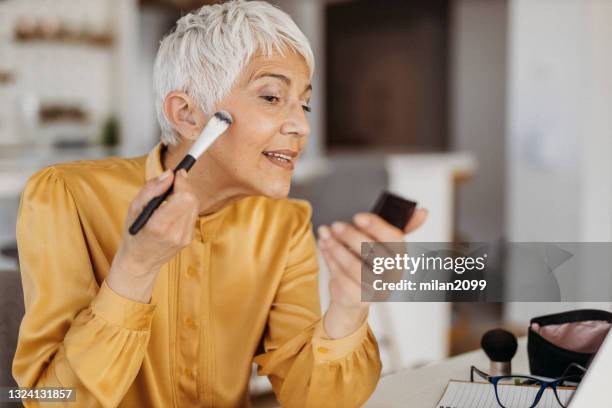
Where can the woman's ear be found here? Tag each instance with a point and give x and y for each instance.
(184, 115)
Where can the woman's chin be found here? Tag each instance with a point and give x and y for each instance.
(276, 190)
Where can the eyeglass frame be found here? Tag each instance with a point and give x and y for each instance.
(544, 384)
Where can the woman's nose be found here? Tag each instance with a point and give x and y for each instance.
(296, 122)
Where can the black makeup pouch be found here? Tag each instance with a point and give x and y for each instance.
(555, 341)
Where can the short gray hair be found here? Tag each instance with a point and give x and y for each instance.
(206, 51)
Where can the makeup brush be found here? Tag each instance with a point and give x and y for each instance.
(213, 129)
(500, 346)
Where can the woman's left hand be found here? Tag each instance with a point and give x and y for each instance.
(341, 248)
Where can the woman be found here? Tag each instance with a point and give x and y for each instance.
(225, 271)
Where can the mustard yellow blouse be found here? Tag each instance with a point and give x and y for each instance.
(245, 289)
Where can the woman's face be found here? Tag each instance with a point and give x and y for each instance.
(269, 104)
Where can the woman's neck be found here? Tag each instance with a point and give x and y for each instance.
(211, 184)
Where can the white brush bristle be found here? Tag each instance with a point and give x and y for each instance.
(215, 127)
(224, 116)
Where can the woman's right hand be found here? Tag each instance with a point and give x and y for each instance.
(170, 228)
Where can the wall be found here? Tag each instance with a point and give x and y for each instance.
(559, 177)
(478, 111)
(150, 24)
(310, 18)
(74, 73)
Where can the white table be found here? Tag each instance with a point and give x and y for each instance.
(423, 387)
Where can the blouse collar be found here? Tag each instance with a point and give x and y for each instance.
(206, 225)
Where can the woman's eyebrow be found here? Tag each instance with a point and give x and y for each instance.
(282, 78)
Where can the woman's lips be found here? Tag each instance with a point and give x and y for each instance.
(281, 158)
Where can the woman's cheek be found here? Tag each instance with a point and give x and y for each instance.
(244, 153)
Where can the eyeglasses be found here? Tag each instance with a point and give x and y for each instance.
(563, 388)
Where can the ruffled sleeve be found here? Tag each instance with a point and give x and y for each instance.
(305, 367)
(75, 333)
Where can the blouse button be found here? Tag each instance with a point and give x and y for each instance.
(189, 322)
(191, 271)
(322, 350)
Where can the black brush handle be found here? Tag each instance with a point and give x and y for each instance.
(156, 201)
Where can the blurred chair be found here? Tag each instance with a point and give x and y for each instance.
(11, 313)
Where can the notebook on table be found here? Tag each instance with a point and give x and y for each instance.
(465, 394)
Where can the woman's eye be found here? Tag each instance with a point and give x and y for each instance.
(271, 99)
(276, 99)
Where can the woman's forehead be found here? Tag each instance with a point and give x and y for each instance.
(291, 65)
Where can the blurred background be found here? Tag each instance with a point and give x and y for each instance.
(493, 114)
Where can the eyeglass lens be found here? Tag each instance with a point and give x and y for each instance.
(509, 395)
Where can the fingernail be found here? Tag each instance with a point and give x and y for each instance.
(362, 220)
(338, 227)
(184, 173)
(164, 175)
(324, 232)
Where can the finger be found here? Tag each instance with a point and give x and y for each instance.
(180, 205)
(324, 237)
(336, 272)
(189, 226)
(173, 224)
(344, 290)
(181, 182)
(418, 218)
(183, 196)
(378, 228)
(334, 268)
(153, 188)
(353, 239)
(342, 282)
(349, 236)
(183, 224)
(348, 262)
